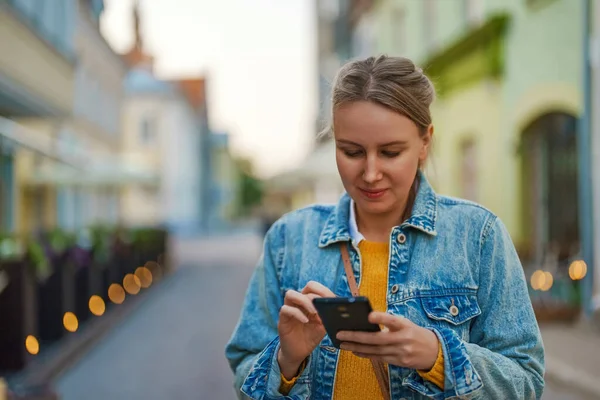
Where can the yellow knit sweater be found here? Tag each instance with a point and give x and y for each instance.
(355, 378)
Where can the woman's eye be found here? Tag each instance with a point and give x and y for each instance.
(352, 153)
(391, 154)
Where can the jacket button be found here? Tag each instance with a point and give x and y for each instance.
(401, 238)
(453, 310)
(395, 288)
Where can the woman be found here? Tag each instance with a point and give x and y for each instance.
(441, 273)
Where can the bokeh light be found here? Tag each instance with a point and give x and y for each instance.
(70, 322)
(132, 284)
(145, 276)
(537, 279)
(577, 270)
(32, 345)
(97, 306)
(155, 269)
(547, 283)
(116, 294)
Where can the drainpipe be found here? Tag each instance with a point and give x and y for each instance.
(586, 228)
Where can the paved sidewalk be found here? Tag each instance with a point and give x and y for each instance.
(573, 356)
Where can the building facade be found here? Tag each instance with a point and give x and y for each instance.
(37, 68)
(509, 95)
(225, 184)
(595, 120)
(94, 129)
(165, 125)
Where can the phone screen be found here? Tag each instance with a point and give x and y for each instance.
(344, 314)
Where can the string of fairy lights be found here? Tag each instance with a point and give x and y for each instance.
(132, 284)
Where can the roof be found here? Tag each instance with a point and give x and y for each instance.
(194, 90)
(140, 80)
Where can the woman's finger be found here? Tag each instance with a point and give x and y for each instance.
(392, 322)
(292, 312)
(371, 338)
(317, 288)
(305, 302)
(366, 349)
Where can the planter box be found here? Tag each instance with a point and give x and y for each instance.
(561, 313)
(17, 313)
(56, 295)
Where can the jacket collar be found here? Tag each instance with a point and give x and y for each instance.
(423, 216)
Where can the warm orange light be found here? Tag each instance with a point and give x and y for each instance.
(577, 270)
(116, 294)
(537, 279)
(155, 269)
(70, 322)
(548, 281)
(132, 284)
(145, 276)
(32, 345)
(97, 306)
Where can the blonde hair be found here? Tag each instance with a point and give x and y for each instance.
(393, 82)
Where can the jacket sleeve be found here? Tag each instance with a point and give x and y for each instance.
(253, 347)
(504, 358)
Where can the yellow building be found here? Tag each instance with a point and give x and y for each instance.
(509, 97)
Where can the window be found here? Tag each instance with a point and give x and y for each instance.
(468, 170)
(147, 130)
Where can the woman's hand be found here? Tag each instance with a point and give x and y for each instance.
(401, 342)
(300, 328)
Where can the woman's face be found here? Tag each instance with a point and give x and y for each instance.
(378, 152)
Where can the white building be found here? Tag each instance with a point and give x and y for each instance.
(162, 134)
(165, 133)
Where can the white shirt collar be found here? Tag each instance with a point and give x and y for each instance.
(355, 235)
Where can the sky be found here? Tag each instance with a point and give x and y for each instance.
(259, 58)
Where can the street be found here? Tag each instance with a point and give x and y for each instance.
(172, 347)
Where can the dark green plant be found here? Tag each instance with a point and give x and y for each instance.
(61, 240)
(102, 237)
(38, 260)
(11, 247)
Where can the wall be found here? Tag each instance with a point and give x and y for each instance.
(37, 72)
(181, 174)
(542, 72)
(141, 205)
(596, 143)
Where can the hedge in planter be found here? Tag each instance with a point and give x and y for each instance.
(17, 305)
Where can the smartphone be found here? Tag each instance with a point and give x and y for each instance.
(344, 314)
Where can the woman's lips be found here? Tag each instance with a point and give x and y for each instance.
(373, 194)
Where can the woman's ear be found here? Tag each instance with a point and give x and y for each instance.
(426, 139)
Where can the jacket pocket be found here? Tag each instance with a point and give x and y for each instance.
(454, 308)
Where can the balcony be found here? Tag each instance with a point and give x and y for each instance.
(36, 68)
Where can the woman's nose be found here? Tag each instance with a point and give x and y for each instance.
(372, 172)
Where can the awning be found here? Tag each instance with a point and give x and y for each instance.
(27, 138)
(115, 174)
(74, 170)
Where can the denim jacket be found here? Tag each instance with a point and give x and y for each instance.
(452, 269)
